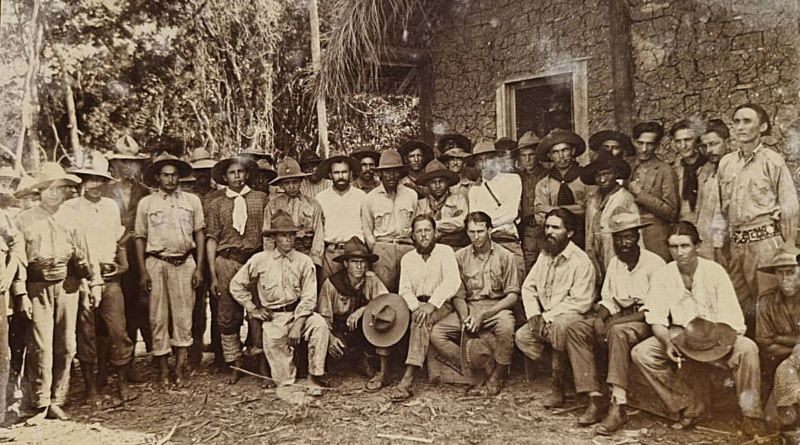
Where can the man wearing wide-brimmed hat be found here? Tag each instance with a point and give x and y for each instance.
(455, 160)
(681, 293)
(202, 163)
(169, 224)
(448, 209)
(100, 220)
(605, 172)
(615, 142)
(416, 155)
(314, 183)
(368, 179)
(619, 323)
(260, 179)
(233, 235)
(52, 242)
(341, 210)
(563, 186)
(386, 219)
(530, 172)
(287, 289)
(304, 210)
(342, 300)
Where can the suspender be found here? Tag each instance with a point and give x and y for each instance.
(492, 193)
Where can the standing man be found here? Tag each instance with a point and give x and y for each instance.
(368, 179)
(13, 261)
(562, 187)
(557, 292)
(455, 160)
(233, 236)
(614, 142)
(429, 278)
(619, 324)
(260, 179)
(489, 290)
(386, 219)
(202, 163)
(314, 183)
(655, 187)
(446, 208)
(169, 224)
(341, 210)
(530, 172)
(416, 156)
(685, 140)
(287, 289)
(759, 201)
(711, 223)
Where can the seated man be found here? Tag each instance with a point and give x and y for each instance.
(489, 291)
(342, 301)
(287, 288)
(558, 291)
(619, 324)
(428, 280)
(684, 291)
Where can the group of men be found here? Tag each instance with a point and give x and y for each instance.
(473, 250)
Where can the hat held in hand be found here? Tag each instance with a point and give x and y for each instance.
(385, 320)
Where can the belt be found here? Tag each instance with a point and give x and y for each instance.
(394, 241)
(46, 274)
(237, 255)
(334, 246)
(287, 308)
(505, 239)
(174, 260)
(757, 234)
(632, 309)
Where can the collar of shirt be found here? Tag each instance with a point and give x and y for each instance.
(164, 195)
(276, 254)
(566, 253)
(482, 256)
(752, 155)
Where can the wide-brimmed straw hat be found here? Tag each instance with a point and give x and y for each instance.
(152, 170)
(53, 172)
(705, 341)
(475, 352)
(325, 167)
(252, 153)
(308, 157)
(597, 139)
(127, 148)
(94, 164)
(390, 159)
(785, 256)
(556, 137)
(219, 170)
(528, 140)
(485, 146)
(459, 140)
(604, 161)
(355, 248)
(436, 169)
(201, 159)
(366, 152)
(409, 146)
(281, 222)
(288, 168)
(25, 188)
(455, 152)
(621, 220)
(385, 320)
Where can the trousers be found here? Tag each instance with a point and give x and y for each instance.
(651, 358)
(532, 344)
(743, 269)
(446, 334)
(171, 304)
(5, 357)
(112, 311)
(420, 338)
(137, 318)
(280, 355)
(387, 268)
(532, 241)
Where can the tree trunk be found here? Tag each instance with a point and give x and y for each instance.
(322, 116)
(74, 141)
(30, 100)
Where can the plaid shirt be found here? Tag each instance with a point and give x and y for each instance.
(219, 221)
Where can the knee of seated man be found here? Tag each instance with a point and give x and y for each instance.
(745, 346)
(505, 321)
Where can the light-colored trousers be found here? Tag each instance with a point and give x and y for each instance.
(171, 300)
(280, 355)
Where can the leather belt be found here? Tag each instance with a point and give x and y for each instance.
(287, 308)
(632, 309)
(174, 260)
(46, 274)
(237, 255)
(394, 241)
(334, 246)
(757, 234)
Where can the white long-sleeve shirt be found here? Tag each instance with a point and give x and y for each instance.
(507, 188)
(438, 277)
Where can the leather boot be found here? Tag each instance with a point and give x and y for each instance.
(594, 412)
(614, 420)
(556, 397)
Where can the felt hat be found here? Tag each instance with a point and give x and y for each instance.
(459, 140)
(251, 153)
(409, 146)
(221, 168)
(621, 220)
(365, 152)
(53, 172)
(288, 168)
(455, 152)
(385, 320)
(9, 180)
(556, 137)
(505, 145)
(201, 159)
(95, 164)
(325, 167)
(785, 256)
(705, 341)
(604, 161)
(309, 157)
(355, 248)
(485, 146)
(187, 179)
(597, 139)
(25, 188)
(281, 222)
(528, 140)
(127, 148)
(265, 169)
(436, 169)
(152, 170)
(475, 352)
(390, 159)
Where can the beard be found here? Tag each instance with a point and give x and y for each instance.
(553, 245)
(425, 249)
(341, 184)
(630, 256)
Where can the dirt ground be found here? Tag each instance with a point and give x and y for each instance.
(210, 411)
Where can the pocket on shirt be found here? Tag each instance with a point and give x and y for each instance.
(156, 218)
(383, 222)
(761, 192)
(406, 215)
(497, 279)
(268, 284)
(186, 216)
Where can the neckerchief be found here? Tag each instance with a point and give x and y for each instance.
(342, 283)
(436, 206)
(690, 186)
(239, 208)
(565, 195)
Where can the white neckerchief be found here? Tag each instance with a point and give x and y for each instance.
(239, 208)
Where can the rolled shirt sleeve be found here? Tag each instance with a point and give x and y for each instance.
(530, 292)
(405, 288)
(451, 281)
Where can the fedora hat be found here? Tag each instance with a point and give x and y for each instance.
(201, 159)
(409, 146)
(152, 170)
(505, 145)
(785, 256)
(250, 152)
(355, 248)
(53, 172)
(220, 169)
(597, 139)
(459, 140)
(325, 167)
(485, 146)
(365, 152)
(604, 161)
(25, 188)
(621, 220)
(705, 341)
(436, 169)
(455, 152)
(281, 222)
(127, 148)
(475, 352)
(390, 159)
(385, 320)
(556, 137)
(95, 164)
(308, 157)
(288, 168)
(528, 140)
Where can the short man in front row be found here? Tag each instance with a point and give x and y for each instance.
(490, 288)
(558, 291)
(287, 289)
(429, 278)
(619, 323)
(693, 298)
(446, 208)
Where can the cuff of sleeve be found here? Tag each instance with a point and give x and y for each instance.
(250, 306)
(18, 288)
(547, 317)
(412, 304)
(438, 302)
(302, 313)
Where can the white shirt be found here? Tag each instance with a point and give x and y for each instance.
(507, 188)
(622, 287)
(341, 214)
(100, 221)
(438, 277)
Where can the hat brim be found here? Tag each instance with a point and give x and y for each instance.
(184, 169)
(282, 230)
(221, 167)
(398, 328)
(123, 157)
(370, 257)
(770, 268)
(87, 172)
(460, 141)
(612, 135)
(451, 177)
(204, 164)
(457, 155)
(278, 178)
(635, 226)
(325, 168)
(515, 152)
(726, 339)
(67, 179)
(257, 156)
(389, 167)
(587, 173)
(560, 137)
